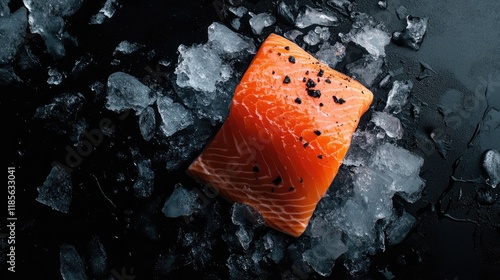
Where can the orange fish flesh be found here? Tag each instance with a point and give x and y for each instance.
(290, 125)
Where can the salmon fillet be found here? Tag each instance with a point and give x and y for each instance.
(290, 124)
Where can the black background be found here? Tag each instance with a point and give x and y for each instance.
(456, 238)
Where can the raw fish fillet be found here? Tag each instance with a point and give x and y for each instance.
(290, 124)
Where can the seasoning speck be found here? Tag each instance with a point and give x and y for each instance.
(314, 93)
(317, 132)
(321, 104)
(297, 100)
(286, 80)
(328, 81)
(321, 72)
(306, 144)
(292, 188)
(291, 59)
(277, 181)
(310, 83)
(307, 72)
(304, 79)
(320, 156)
(338, 100)
(287, 48)
(255, 168)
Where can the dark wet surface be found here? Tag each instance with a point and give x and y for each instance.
(458, 231)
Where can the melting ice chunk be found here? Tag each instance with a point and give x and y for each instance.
(398, 229)
(398, 96)
(198, 68)
(285, 12)
(323, 253)
(390, 124)
(72, 265)
(126, 92)
(12, 29)
(182, 202)
(126, 47)
(366, 69)
(98, 259)
(413, 35)
(228, 42)
(174, 116)
(55, 77)
(56, 191)
(147, 123)
(404, 167)
(368, 35)
(143, 185)
(343, 6)
(46, 19)
(310, 16)
(261, 21)
(238, 11)
(491, 164)
(331, 55)
(107, 11)
(61, 114)
(4, 8)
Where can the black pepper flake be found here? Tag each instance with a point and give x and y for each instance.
(307, 72)
(272, 189)
(321, 104)
(321, 72)
(338, 100)
(255, 168)
(301, 180)
(277, 181)
(320, 156)
(297, 100)
(328, 81)
(310, 83)
(291, 59)
(306, 144)
(292, 188)
(300, 138)
(317, 132)
(279, 54)
(273, 72)
(304, 79)
(286, 80)
(287, 48)
(314, 93)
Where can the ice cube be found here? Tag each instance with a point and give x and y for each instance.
(331, 55)
(413, 35)
(198, 67)
(56, 191)
(98, 258)
(369, 35)
(322, 255)
(311, 38)
(372, 188)
(12, 29)
(244, 215)
(314, 16)
(47, 19)
(491, 165)
(245, 236)
(55, 77)
(126, 47)
(390, 124)
(182, 202)
(72, 266)
(275, 245)
(8, 76)
(285, 12)
(382, 5)
(238, 11)
(64, 107)
(174, 116)
(107, 11)
(147, 123)
(126, 92)
(228, 42)
(343, 6)
(398, 229)
(366, 69)
(261, 21)
(144, 183)
(398, 96)
(292, 34)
